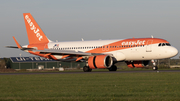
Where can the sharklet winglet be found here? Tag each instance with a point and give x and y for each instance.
(19, 46)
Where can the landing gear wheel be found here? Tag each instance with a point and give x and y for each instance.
(113, 68)
(155, 68)
(90, 70)
(86, 69)
(154, 65)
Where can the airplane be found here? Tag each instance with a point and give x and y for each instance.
(98, 54)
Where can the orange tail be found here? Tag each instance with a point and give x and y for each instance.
(34, 32)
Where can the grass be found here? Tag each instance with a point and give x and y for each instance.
(91, 86)
(81, 70)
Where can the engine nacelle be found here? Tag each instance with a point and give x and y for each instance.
(100, 61)
(137, 64)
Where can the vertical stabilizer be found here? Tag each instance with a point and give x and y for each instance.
(34, 32)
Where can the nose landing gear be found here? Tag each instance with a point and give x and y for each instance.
(154, 65)
(155, 68)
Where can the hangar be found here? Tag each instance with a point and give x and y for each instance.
(40, 63)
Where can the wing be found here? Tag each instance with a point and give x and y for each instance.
(66, 52)
(19, 46)
(48, 52)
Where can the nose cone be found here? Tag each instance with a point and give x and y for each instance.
(173, 51)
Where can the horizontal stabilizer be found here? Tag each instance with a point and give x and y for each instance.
(22, 48)
(11, 47)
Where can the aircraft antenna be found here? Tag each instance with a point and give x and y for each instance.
(82, 39)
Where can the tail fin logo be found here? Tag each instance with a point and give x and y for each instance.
(33, 27)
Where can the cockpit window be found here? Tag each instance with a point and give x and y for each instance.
(168, 44)
(164, 44)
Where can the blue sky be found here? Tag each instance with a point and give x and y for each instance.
(71, 20)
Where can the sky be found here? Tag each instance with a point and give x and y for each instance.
(71, 20)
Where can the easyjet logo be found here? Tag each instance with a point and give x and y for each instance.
(138, 42)
(33, 28)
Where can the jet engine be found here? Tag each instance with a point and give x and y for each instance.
(137, 64)
(100, 61)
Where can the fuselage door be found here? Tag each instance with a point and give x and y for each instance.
(149, 46)
(46, 46)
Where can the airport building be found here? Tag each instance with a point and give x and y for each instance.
(40, 63)
(44, 63)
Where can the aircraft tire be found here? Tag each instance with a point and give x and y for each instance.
(113, 68)
(155, 68)
(86, 69)
(90, 70)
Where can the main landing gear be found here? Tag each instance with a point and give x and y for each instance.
(154, 65)
(113, 68)
(87, 69)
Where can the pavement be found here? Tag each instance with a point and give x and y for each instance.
(93, 72)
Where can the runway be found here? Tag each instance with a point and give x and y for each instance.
(93, 72)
